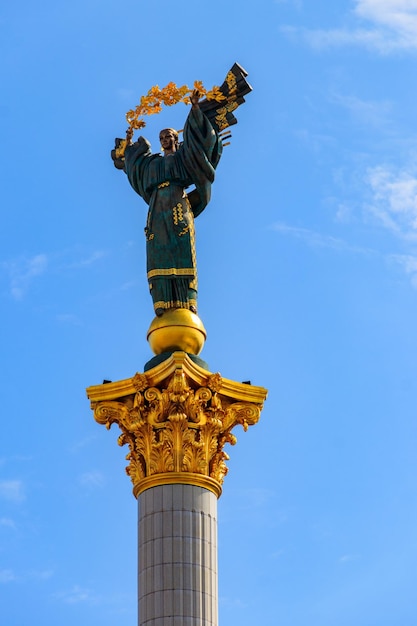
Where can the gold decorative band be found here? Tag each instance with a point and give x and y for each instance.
(165, 184)
(172, 271)
(178, 478)
(174, 304)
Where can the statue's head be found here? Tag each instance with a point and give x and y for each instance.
(169, 140)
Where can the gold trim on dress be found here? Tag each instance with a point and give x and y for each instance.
(177, 213)
(172, 271)
(193, 254)
(175, 304)
(171, 304)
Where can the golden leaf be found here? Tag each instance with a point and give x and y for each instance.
(215, 94)
(199, 86)
(152, 102)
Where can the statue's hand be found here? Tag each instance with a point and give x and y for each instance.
(195, 97)
(118, 159)
(129, 135)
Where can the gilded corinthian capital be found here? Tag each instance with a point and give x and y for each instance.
(176, 419)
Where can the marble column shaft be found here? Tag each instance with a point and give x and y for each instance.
(178, 556)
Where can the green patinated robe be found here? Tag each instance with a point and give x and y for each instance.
(161, 182)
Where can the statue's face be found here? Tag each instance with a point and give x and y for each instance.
(168, 140)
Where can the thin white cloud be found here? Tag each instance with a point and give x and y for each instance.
(254, 498)
(128, 285)
(236, 603)
(95, 256)
(382, 25)
(125, 94)
(6, 522)
(408, 263)
(346, 558)
(82, 443)
(7, 576)
(397, 15)
(319, 240)
(277, 554)
(23, 271)
(322, 39)
(12, 490)
(77, 595)
(369, 112)
(296, 3)
(39, 575)
(393, 199)
(92, 479)
(69, 318)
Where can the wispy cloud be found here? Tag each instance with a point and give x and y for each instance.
(236, 603)
(77, 595)
(393, 199)
(6, 522)
(346, 558)
(128, 285)
(125, 94)
(320, 240)
(39, 575)
(382, 25)
(23, 271)
(277, 554)
(369, 112)
(12, 490)
(95, 256)
(408, 263)
(69, 318)
(92, 479)
(296, 3)
(253, 498)
(82, 443)
(7, 576)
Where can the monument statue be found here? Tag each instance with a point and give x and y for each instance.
(163, 180)
(177, 417)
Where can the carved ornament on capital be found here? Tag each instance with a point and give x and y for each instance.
(176, 421)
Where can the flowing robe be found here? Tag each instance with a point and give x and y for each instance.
(161, 182)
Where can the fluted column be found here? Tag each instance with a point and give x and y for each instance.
(176, 419)
(178, 556)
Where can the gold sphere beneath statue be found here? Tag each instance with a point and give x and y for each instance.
(177, 329)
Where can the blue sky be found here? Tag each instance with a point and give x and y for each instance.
(307, 258)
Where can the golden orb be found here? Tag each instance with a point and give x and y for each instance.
(177, 329)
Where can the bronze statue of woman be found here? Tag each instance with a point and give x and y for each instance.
(162, 180)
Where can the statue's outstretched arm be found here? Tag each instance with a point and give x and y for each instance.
(195, 98)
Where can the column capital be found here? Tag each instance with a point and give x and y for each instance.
(176, 419)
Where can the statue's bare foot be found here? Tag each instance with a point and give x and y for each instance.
(159, 312)
(193, 309)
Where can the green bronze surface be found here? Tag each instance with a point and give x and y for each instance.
(162, 180)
